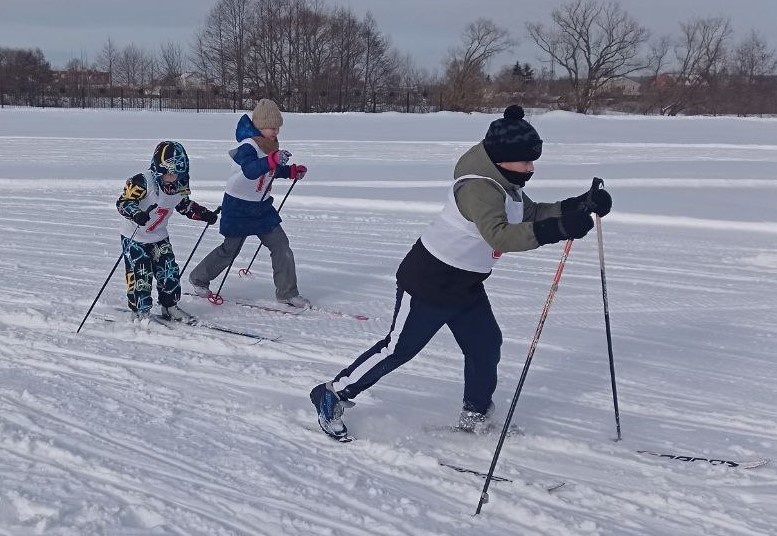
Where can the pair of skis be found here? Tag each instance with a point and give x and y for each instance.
(554, 485)
(718, 462)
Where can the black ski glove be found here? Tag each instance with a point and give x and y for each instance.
(600, 202)
(552, 230)
(141, 218)
(210, 217)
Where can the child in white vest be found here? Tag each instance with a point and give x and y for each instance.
(247, 208)
(146, 204)
(440, 281)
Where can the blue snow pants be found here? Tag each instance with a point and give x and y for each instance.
(474, 328)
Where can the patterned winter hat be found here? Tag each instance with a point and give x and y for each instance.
(171, 157)
(512, 138)
(266, 115)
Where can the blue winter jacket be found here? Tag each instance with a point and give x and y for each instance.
(238, 216)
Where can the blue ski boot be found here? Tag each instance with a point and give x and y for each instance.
(330, 411)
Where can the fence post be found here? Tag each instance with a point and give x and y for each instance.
(198, 100)
(121, 97)
(160, 100)
(407, 103)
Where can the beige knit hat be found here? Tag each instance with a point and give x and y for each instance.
(267, 115)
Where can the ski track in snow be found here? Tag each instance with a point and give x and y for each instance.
(124, 430)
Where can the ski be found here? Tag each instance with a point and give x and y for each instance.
(222, 329)
(158, 319)
(332, 312)
(132, 320)
(293, 311)
(752, 464)
(196, 323)
(296, 311)
(494, 478)
(340, 439)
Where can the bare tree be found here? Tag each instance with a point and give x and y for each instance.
(754, 59)
(701, 56)
(348, 53)
(106, 59)
(752, 64)
(655, 92)
(465, 73)
(266, 62)
(658, 56)
(313, 55)
(134, 67)
(221, 45)
(171, 65)
(23, 70)
(77, 75)
(380, 66)
(594, 42)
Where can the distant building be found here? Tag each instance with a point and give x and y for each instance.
(622, 85)
(192, 81)
(664, 80)
(86, 77)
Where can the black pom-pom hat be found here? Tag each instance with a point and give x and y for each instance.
(512, 139)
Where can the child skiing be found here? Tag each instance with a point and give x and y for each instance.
(440, 281)
(146, 205)
(247, 209)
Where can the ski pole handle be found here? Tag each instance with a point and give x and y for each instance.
(596, 184)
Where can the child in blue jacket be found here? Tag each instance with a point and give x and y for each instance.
(247, 208)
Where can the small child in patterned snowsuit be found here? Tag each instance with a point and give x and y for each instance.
(146, 204)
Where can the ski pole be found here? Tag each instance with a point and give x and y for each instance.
(180, 274)
(152, 207)
(215, 298)
(607, 320)
(553, 288)
(532, 348)
(246, 271)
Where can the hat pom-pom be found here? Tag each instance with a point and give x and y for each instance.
(514, 112)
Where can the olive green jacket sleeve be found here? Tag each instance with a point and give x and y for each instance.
(482, 201)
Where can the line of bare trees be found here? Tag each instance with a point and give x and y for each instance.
(298, 52)
(310, 57)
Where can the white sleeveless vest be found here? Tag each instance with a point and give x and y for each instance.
(241, 187)
(156, 228)
(456, 241)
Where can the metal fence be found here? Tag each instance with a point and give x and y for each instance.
(201, 100)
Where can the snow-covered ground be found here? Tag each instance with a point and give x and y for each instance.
(122, 431)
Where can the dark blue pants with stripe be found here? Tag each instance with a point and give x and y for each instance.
(416, 322)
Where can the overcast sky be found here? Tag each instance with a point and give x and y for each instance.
(425, 29)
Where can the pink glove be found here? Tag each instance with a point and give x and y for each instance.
(297, 172)
(278, 158)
